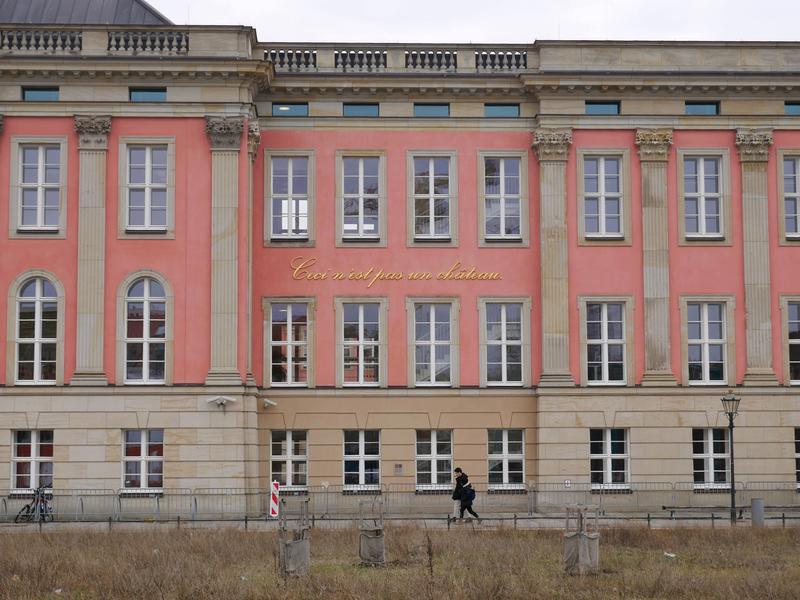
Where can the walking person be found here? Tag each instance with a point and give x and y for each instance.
(464, 493)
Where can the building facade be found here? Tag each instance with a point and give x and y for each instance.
(226, 261)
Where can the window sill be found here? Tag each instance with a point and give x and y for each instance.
(26, 494)
(606, 383)
(369, 386)
(506, 240)
(294, 490)
(425, 385)
(289, 386)
(361, 491)
(704, 238)
(611, 490)
(141, 493)
(145, 383)
(35, 383)
(433, 490)
(602, 238)
(500, 384)
(289, 240)
(360, 240)
(721, 383)
(726, 489)
(153, 231)
(511, 489)
(37, 231)
(433, 240)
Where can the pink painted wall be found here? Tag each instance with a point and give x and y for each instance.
(184, 261)
(605, 270)
(272, 275)
(59, 256)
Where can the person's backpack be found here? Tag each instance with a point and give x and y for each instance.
(469, 494)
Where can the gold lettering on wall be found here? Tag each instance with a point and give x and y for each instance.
(304, 268)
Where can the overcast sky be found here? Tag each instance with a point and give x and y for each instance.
(494, 21)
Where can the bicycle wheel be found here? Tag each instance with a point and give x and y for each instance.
(24, 514)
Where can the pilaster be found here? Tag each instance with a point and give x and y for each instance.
(225, 134)
(753, 146)
(654, 145)
(552, 149)
(92, 151)
(253, 144)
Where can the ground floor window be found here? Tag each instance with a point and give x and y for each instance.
(608, 458)
(143, 460)
(362, 458)
(289, 458)
(434, 458)
(710, 457)
(32, 459)
(506, 458)
(797, 454)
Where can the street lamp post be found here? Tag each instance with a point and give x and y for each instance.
(730, 404)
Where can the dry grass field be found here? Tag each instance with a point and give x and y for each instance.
(234, 564)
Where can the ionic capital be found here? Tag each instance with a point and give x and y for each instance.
(225, 133)
(552, 144)
(753, 144)
(92, 131)
(653, 144)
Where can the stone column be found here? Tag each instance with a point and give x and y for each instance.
(653, 154)
(92, 150)
(552, 147)
(253, 143)
(225, 134)
(753, 145)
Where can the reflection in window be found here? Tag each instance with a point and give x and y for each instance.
(145, 332)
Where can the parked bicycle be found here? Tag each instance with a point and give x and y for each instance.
(38, 509)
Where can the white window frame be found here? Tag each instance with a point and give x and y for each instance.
(523, 239)
(146, 340)
(601, 195)
(381, 345)
(702, 196)
(40, 186)
(433, 343)
(432, 458)
(604, 342)
(506, 456)
(504, 343)
(124, 229)
(148, 187)
(143, 459)
(787, 237)
(35, 459)
(290, 343)
(788, 343)
(705, 342)
(431, 197)
(38, 340)
(344, 239)
(607, 457)
(362, 458)
(290, 458)
(504, 198)
(724, 237)
(708, 455)
(289, 199)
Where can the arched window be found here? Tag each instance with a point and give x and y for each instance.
(145, 331)
(37, 331)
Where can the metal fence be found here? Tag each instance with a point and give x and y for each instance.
(337, 502)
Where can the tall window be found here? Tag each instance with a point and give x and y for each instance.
(289, 343)
(702, 196)
(608, 458)
(37, 332)
(502, 212)
(432, 198)
(144, 459)
(432, 338)
(32, 460)
(706, 339)
(710, 457)
(506, 458)
(602, 196)
(504, 343)
(361, 343)
(145, 332)
(289, 454)
(361, 197)
(794, 341)
(147, 187)
(605, 342)
(290, 202)
(40, 187)
(791, 196)
(362, 462)
(434, 458)
(797, 454)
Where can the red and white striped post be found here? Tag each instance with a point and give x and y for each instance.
(274, 498)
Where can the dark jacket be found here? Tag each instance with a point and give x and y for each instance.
(463, 490)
